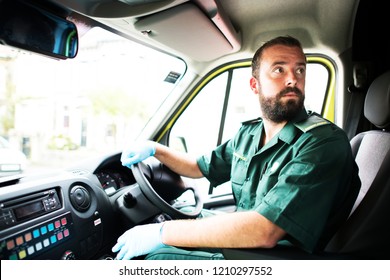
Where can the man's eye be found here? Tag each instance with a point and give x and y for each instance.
(301, 71)
(278, 70)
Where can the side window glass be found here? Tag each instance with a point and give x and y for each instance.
(197, 127)
(317, 79)
(217, 111)
(243, 104)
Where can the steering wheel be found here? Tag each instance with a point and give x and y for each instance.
(161, 185)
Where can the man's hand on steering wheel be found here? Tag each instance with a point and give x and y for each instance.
(132, 158)
(137, 152)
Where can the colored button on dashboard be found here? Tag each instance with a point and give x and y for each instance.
(36, 233)
(50, 227)
(43, 230)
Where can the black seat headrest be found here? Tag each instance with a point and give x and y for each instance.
(377, 103)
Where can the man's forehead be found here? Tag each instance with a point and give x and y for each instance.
(280, 54)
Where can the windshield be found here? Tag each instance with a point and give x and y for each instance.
(59, 111)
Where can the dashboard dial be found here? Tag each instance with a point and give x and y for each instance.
(109, 183)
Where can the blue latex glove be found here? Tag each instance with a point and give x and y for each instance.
(139, 240)
(138, 152)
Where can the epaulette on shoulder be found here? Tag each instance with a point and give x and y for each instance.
(314, 120)
(253, 121)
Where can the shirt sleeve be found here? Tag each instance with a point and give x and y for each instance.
(216, 167)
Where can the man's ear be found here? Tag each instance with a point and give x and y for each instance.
(254, 84)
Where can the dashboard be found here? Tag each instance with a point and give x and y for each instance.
(76, 213)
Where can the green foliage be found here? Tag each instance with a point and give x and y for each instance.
(62, 142)
(116, 103)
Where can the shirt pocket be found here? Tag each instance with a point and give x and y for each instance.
(239, 170)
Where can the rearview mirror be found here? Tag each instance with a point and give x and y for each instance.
(31, 28)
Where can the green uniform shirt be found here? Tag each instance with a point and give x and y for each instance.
(297, 180)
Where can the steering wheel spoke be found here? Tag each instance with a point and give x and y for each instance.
(162, 186)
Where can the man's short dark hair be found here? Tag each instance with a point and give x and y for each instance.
(281, 40)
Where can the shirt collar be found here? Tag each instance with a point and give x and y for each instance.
(288, 132)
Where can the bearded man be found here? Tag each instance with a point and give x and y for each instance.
(291, 173)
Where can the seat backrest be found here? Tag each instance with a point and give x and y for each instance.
(366, 233)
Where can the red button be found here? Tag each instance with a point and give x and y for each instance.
(28, 236)
(10, 244)
(19, 240)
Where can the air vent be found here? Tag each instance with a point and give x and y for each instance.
(80, 198)
(79, 172)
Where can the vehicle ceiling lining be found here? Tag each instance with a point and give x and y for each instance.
(211, 29)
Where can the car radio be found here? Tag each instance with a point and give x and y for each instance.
(15, 211)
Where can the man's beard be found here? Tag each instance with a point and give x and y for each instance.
(277, 111)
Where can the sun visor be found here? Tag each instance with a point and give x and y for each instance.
(188, 30)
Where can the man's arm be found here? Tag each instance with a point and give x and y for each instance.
(181, 163)
(232, 230)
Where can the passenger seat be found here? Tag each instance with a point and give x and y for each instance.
(366, 233)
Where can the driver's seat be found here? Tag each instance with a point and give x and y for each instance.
(365, 234)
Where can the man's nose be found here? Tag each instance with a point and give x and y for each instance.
(291, 79)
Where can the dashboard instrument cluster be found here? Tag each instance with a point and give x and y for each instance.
(112, 180)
